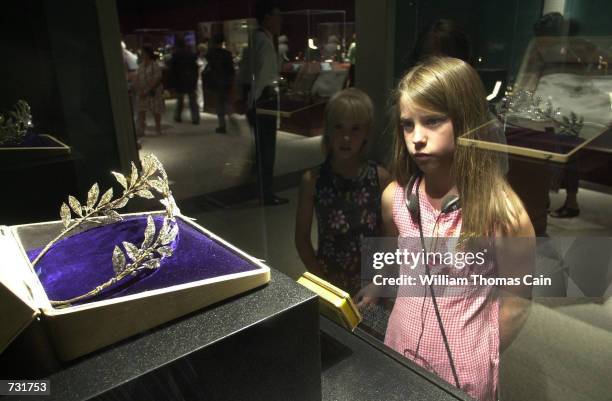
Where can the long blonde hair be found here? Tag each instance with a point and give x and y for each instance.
(452, 87)
(353, 104)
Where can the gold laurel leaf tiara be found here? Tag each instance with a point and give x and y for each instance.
(102, 209)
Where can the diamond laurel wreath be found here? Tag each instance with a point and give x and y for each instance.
(97, 209)
(526, 103)
(14, 124)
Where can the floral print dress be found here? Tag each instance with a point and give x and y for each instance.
(153, 99)
(347, 209)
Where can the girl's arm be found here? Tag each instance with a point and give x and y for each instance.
(387, 210)
(515, 253)
(303, 224)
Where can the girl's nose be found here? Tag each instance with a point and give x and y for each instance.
(419, 134)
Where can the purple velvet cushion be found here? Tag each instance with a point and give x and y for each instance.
(77, 264)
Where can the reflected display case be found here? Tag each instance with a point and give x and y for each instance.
(556, 118)
(312, 49)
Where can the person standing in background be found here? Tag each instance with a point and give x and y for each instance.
(218, 77)
(259, 79)
(283, 49)
(202, 50)
(344, 193)
(148, 84)
(130, 63)
(184, 72)
(330, 50)
(351, 57)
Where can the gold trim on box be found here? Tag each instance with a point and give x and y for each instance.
(334, 303)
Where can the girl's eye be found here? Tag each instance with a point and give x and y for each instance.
(435, 120)
(407, 126)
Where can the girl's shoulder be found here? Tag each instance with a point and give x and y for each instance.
(390, 192)
(388, 205)
(317, 175)
(309, 182)
(311, 176)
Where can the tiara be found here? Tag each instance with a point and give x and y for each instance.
(525, 103)
(150, 183)
(15, 123)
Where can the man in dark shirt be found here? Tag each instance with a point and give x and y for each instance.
(218, 77)
(184, 73)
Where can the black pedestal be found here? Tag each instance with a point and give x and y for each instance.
(263, 345)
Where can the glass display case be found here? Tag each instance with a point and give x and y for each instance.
(312, 56)
(251, 163)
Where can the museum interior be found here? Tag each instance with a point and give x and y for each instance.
(192, 192)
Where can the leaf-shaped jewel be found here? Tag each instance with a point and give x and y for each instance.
(121, 203)
(120, 179)
(111, 214)
(162, 231)
(134, 175)
(65, 215)
(148, 166)
(131, 250)
(152, 263)
(164, 251)
(145, 193)
(171, 207)
(159, 185)
(160, 167)
(106, 197)
(174, 232)
(146, 163)
(118, 260)
(168, 238)
(75, 205)
(92, 195)
(149, 234)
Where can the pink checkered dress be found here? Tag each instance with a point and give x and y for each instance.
(470, 322)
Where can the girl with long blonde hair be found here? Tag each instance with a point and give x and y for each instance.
(344, 193)
(444, 187)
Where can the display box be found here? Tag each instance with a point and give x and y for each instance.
(211, 270)
(40, 148)
(529, 139)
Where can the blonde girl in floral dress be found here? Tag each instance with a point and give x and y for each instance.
(150, 90)
(344, 192)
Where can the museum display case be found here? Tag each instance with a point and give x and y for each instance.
(312, 53)
(552, 116)
(189, 284)
(21, 144)
(132, 272)
(226, 309)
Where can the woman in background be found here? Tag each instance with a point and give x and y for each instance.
(150, 90)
